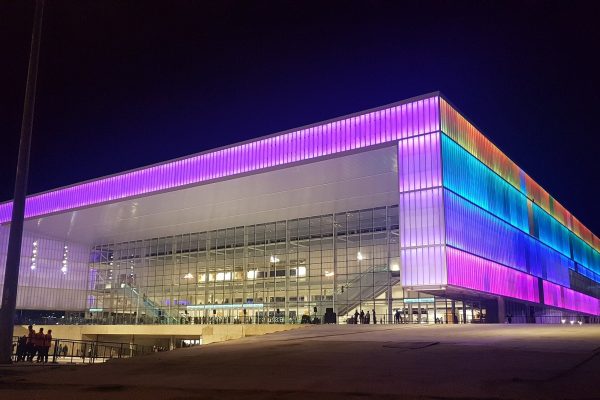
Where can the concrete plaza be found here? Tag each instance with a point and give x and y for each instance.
(343, 362)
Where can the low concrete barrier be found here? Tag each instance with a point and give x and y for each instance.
(157, 334)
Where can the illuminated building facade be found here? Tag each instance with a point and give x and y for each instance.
(406, 211)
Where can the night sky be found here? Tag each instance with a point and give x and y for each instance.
(124, 84)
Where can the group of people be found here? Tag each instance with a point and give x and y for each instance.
(362, 318)
(398, 317)
(34, 343)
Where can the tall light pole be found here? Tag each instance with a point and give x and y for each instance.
(13, 256)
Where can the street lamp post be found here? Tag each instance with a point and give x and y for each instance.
(13, 256)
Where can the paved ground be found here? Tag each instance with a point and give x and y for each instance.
(343, 362)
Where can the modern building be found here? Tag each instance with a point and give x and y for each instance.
(406, 211)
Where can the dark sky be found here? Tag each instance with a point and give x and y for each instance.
(123, 84)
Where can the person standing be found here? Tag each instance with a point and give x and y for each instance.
(374, 317)
(47, 343)
(368, 318)
(362, 317)
(22, 348)
(356, 317)
(30, 350)
(38, 343)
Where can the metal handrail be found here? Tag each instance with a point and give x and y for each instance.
(79, 351)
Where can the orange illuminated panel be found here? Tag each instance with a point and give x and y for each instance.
(465, 134)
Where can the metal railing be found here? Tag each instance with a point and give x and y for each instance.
(77, 351)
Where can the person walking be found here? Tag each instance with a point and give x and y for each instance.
(397, 317)
(47, 343)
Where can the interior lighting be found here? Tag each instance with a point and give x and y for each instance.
(301, 271)
(251, 274)
(223, 276)
(359, 256)
(186, 276)
(64, 261)
(34, 256)
(562, 321)
(329, 273)
(580, 322)
(572, 322)
(394, 267)
(274, 259)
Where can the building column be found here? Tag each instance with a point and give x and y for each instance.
(501, 310)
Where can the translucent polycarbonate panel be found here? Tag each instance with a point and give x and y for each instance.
(52, 273)
(558, 296)
(421, 211)
(587, 272)
(547, 263)
(464, 133)
(332, 137)
(476, 231)
(419, 163)
(550, 231)
(470, 178)
(472, 229)
(468, 271)
(423, 266)
(421, 218)
(585, 255)
(583, 284)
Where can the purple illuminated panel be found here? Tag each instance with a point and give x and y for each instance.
(468, 271)
(421, 211)
(423, 266)
(419, 163)
(337, 136)
(562, 297)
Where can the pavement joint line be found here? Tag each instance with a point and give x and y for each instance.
(335, 334)
(565, 372)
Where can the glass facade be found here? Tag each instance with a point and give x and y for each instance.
(271, 272)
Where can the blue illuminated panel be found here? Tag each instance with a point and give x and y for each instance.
(467, 176)
(550, 231)
(476, 231)
(585, 255)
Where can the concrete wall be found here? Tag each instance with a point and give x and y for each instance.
(156, 334)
